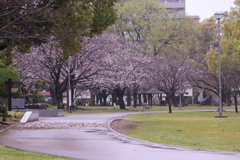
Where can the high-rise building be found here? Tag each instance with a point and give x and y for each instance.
(177, 6)
(174, 5)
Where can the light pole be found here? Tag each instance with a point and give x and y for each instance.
(180, 92)
(180, 96)
(69, 99)
(219, 16)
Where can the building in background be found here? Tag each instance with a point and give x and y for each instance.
(196, 18)
(174, 5)
(178, 6)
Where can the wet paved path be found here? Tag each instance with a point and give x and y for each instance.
(88, 137)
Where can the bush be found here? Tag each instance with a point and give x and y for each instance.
(8, 72)
(79, 102)
(3, 112)
(40, 99)
(3, 109)
(48, 105)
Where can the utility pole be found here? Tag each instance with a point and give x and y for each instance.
(9, 86)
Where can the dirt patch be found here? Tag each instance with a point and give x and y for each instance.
(123, 126)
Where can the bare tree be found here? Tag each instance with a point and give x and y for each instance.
(200, 76)
(167, 74)
(233, 80)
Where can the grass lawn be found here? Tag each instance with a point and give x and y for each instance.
(105, 109)
(11, 154)
(192, 129)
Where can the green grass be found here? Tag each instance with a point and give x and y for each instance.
(11, 154)
(13, 117)
(107, 109)
(192, 129)
(103, 109)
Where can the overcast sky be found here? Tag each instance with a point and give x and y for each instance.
(207, 8)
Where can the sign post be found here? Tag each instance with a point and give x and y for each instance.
(26, 117)
(9, 86)
(12, 87)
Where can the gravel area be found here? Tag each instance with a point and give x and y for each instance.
(57, 125)
(123, 126)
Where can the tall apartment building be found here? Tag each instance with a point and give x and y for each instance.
(174, 5)
(177, 6)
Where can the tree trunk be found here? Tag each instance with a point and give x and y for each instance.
(104, 97)
(72, 98)
(53, 96)
(120, 94)
(144, 98)
(114, 98)
(139, 100)
(160, 99)
(135, 100)
(169, 106)
(150, 99)
(99, 95)
(104, 100)
(236, 104)
(121, 102)
(93, 94)
(169, 100)
(97, 99)
(129, 99)
(59, 99)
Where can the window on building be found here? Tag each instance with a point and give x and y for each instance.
(172, 1)
(180, 10)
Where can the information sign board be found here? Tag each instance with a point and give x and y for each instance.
(26, 117)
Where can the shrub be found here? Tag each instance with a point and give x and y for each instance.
(48, 105)
(40, 97)
(8, 72)
(79, 102)
(3, 112)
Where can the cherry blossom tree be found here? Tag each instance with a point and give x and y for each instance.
(106, 61)
(122, 66)
(45, 63)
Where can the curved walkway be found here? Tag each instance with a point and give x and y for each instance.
(89, 137)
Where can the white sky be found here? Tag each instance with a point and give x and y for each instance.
(207, 8)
